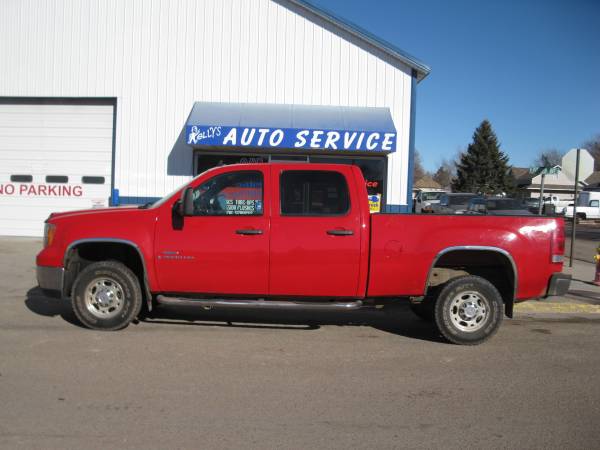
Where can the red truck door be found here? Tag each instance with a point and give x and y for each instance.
(315, 233)
(224, 247)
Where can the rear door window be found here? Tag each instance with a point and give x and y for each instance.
(313, 193)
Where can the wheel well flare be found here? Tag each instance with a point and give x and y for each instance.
(494, 265)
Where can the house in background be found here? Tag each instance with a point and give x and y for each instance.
(560, 184)
(426, 183)
(593, 181)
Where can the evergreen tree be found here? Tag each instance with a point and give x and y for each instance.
(484, 168)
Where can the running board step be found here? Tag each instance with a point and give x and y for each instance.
(259, 304)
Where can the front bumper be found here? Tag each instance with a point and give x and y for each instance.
(559, 284)
(50, 279)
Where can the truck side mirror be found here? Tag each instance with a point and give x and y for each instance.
(185, 205)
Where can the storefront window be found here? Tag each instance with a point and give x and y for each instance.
(373, 169)
(205, 162)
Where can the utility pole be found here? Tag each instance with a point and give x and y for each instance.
(574, 208)
(542, 192)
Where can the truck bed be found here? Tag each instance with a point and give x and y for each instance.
(405, 246)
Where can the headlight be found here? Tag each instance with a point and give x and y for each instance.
(49, 232)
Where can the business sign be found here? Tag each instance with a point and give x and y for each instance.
(292, 138)
(40, 190)
(375, 203)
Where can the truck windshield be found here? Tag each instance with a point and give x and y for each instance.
(162, 200)
(431, 195)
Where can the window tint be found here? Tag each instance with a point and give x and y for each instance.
(314, 193)
(594, 203)
(503, 204)
(460, 199)
(21, 178)
(92, 180)
(235, 193)
(57, 179)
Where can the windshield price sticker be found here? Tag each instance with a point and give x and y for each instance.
(239, 207)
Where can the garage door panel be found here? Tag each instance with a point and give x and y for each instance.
(62, 156)
(104, 121)
(39, 169)
(41, 140)
(17, 228)
(53, 143)
(56, 132)
(42, 209)
(48, 110)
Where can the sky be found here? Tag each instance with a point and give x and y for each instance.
(531, 67)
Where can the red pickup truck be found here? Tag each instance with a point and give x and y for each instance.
(297, 236)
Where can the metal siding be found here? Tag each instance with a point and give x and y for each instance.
(158, 57)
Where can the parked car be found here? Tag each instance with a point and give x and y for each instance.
(552, 204)
(297, 236)
(532, 203)
(425, 199)
(558, 202)
(498, 206)
(588, 207)
(456, 203)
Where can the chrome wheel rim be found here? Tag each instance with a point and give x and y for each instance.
(104, 298)
(469, 311)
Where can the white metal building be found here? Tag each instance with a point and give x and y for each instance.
(99, 99)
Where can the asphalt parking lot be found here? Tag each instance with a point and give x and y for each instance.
(372, 379)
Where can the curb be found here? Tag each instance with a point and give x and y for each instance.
(568, 308)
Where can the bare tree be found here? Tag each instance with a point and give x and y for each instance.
(593, 146)
(418, 170)
(548, 158)
(445, 173)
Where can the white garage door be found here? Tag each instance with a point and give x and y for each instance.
(53, 157)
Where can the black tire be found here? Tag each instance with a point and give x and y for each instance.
(424, 309)
(116, 285)
(468, 302)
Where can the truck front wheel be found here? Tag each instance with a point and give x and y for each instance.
(468, 310)
(106, 296)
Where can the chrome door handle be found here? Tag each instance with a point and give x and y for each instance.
(249, 231)
(340, 232)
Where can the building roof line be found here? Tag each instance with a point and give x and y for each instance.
(421, 69)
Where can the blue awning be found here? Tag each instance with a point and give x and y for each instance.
(291, 126)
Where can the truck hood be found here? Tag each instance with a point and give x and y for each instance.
(92, 212)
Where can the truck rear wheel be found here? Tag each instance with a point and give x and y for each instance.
(468, 310)
(106, 296)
